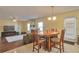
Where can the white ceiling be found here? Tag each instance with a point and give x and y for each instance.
(29, 12)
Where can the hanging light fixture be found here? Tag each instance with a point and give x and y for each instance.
(13, 19)
(53, 15)
(49, 18)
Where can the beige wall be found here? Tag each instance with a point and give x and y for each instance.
(23, 25)
(6, 22)
(59, 22)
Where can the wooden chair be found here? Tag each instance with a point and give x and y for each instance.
(37, 41)
(59, 41)
(52, 30)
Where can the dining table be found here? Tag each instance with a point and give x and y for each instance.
(47, 36)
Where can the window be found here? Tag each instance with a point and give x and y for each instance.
(28, 27)
(70, 28)
(40, 26)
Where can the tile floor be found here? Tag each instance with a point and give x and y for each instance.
(28, 49)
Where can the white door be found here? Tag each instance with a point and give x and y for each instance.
(70, 29)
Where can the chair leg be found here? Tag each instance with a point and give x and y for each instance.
(60, 48)
(38, 48)
(63, 47)
(33, 48)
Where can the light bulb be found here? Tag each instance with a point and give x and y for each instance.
(54, 17)
(14, 20)
(49, 18)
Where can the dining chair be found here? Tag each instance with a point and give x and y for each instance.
(37, 41)
(59, 41)
(52, 30)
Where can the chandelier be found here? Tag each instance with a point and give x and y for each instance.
(13, 19)
(53, 17)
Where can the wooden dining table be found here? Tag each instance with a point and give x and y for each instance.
(48, 35)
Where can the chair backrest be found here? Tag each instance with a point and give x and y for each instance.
(62, 35)
(35, 36)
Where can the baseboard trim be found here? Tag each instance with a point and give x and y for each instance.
(68, 42)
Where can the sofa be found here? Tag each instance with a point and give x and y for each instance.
(5, 46)
(27, 39)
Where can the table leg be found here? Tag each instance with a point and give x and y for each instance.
(49, 44)
(46, 44)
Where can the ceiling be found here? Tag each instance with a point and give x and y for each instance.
(29, 12)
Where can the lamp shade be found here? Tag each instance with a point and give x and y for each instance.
(49, 18)
(14, 20)
(54, 17)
